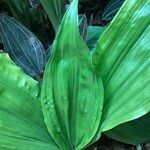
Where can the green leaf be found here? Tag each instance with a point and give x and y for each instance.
(55, 10)
(93, 34)
(22, 46)
(132, 132)
(122, 58)
(21, 119)
(72, 93)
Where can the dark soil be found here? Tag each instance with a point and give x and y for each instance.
(105, 143)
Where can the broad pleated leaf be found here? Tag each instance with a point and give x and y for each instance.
(122, 58)
(21, 119)
(55, 10)
(93, 34)
(133, 132)
(111, 9)
(72, 93)
(22, 46)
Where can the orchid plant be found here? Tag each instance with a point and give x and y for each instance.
(83, 92)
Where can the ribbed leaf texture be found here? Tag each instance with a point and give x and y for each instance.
(22, 46)
(72, 93)
(122, 58)
(21, 119)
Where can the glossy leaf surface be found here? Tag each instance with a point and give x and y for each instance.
(22, 46)
(122, 57)
(21, 119)
(72, 93)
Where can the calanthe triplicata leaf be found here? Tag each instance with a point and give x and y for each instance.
(55, 10)
(122, 58)
(72, 93)
(21, 119)
(22, 46)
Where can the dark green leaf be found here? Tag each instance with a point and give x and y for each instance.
(111, 10)
(22, 46)
(133, 132)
